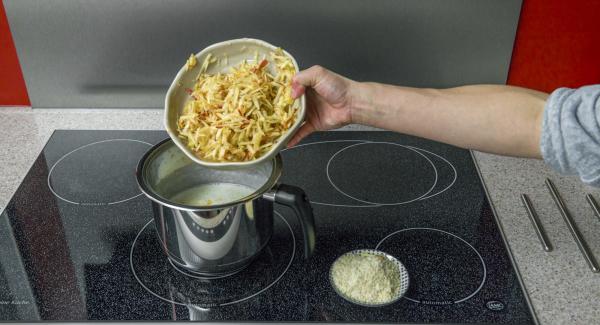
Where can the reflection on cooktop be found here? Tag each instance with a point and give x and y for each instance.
(162, 279)
(78, 244)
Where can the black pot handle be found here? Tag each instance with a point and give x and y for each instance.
(295, 198)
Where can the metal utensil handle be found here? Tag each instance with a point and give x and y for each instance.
(589, 258)
(295, 198)
(594, 205)
(539, 230)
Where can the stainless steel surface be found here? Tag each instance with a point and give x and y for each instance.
(216, 246)
(403, 275)
(165, 171)
(221, 239)
(581, 244)
(93, 53)
(535, 220)
(594, 205)
(270, 195)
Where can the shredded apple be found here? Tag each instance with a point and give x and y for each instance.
(238, 115)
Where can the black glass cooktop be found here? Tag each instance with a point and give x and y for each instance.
(78, 241)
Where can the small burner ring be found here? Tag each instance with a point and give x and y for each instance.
(445, 302)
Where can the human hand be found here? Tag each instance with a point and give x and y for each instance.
(328, 100)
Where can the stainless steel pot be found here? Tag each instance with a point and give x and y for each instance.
(216, 240)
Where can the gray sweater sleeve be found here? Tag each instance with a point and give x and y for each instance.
(571, 132)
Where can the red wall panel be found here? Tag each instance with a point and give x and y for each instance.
(557, 45)
(13, 91)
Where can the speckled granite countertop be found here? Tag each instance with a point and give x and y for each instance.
(562, 288)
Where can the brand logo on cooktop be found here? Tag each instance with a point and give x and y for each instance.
(495, 305)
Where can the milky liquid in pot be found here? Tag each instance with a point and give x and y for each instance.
(212, 194)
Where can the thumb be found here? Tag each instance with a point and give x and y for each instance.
(302, 133)
(307, 78)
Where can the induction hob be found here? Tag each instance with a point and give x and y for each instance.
(78, 239)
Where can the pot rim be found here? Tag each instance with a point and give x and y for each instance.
(140, 173)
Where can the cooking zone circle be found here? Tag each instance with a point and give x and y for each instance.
(444, 172)
(154, 272)
(99, 173)
(358, 167)
(444, 268)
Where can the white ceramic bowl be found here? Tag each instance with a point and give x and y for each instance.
(236, 51)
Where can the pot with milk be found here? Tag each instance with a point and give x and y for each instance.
(214, 222)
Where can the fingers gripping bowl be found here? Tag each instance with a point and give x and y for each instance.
(219, 59)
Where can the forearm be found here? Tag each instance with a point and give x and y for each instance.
(498, 119)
